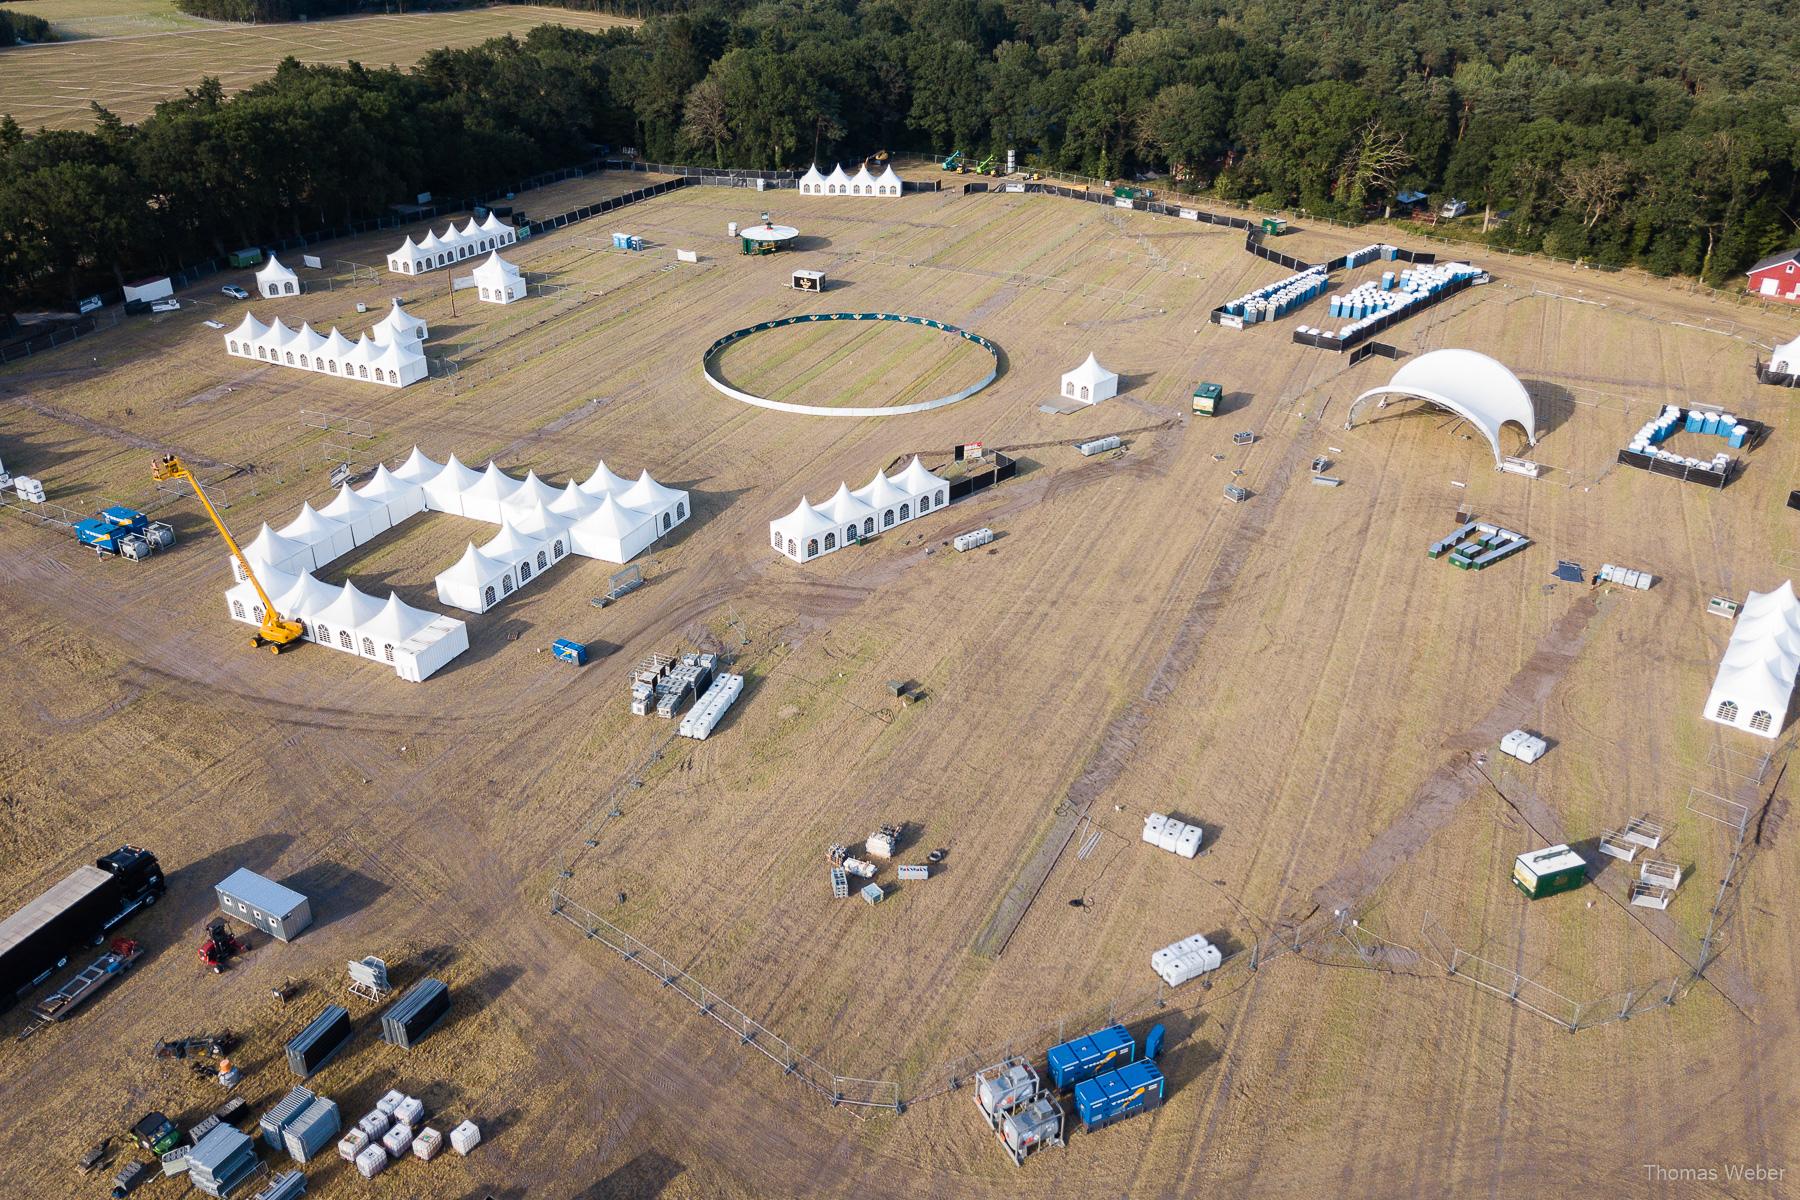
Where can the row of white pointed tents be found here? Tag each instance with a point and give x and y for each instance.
(606, 517)
(393, 360)
(273, 279)
(452, 246)
(839, 184)
(885, 501)
(415, 642)
(1756, 677)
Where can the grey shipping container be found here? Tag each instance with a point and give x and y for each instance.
(414, 1014)
(319, 1041)
(285, 1186)
(278, 911)
(275, 1122)
(313, 1130)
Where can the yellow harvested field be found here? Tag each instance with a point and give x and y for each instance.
(52, 86)
(113, 18)
(1291, 672)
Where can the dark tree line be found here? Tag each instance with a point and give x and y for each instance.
(1626, 134)
(16, 27)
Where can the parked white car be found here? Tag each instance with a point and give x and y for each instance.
(235, 292)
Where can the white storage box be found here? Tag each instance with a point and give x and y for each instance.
(352, 1144)
(374, 1125)
(371, 1161)
(410, 1111)
(388, 1103)
(397, 1139)
(1153, 827)
(1188, 844)
(465, 1137)
(428, 1143)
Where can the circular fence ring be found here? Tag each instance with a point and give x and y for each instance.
(710, 358)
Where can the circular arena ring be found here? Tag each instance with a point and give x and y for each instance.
(710, 360)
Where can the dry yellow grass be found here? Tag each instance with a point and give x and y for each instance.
(1328, 681)
(51, 86)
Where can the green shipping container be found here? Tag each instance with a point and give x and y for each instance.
(1548, 872)
(245, 258)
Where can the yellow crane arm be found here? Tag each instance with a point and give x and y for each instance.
(275, 630)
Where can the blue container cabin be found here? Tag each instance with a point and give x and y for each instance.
(1118, 1094)
(1085, 1057)
(569, 651)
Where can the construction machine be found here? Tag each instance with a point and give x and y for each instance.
(877, 159)
(276, 632)
(220, 947)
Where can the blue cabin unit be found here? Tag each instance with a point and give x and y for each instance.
(569, 651)
(1085, 1057)
(1116, 1095)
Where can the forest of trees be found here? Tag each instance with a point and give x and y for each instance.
(16, 27)
(1623, 134)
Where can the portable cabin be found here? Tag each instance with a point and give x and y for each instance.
(278, 911)
(569, 651)
(1274, 226)
(1206, 399)
(1115, 1095)
(249, 256)
(1090, 1055)
(808, 281)
(1541, 873)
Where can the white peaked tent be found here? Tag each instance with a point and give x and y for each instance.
(603, 482)
(366, 518)
(803, 534)
(889, 184)
(444, 490)
(812, 183)
(929, 491)
(392, 627)
(483, 497)
(837, 183)
(273, 279)
(476, 583)
(612, 532)
(863, 184)
(245, 604)
(339, 624)
(417, 469)
(1469, 384)
(854, 518)
(1786, 359)
(667, 506)
(328, 538)
(519, 551)
(409, 259)
(399, 326)
(539, 523)
(573, 503)
(886, 497)
(308, 597)
(497, 232)
(401, 500)
(1089, 383)
(270, 551)
(243, 340)
(533, 491)
(1756, 677)
(499, 281)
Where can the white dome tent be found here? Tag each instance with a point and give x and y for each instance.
(273, 279)
(1089, 383)
(1756, 676)
(809, 531)
(499, 281)
(1469, 384)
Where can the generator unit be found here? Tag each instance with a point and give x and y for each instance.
(1004, 1088)
(1090, 1055)
(1116, 1095)
(1032, 1128)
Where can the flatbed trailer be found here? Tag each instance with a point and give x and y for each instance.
(59, 1004)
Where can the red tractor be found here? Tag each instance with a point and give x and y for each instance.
(220, 947)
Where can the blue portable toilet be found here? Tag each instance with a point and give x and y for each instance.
(1695, 421)
(569, 651)
(1153, 1043)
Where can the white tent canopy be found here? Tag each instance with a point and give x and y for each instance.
(885, 501)
(889, 184)
(394, 363)
(1756, 676)
(812, 183)
(863, 184)
(271, 551)
(428, 253)
(500, 281)
(1089, 383)
(417, 469)
(328, 538)
(476, 583)
(1469, 384)
(366, 518)
(837, 183)
(273, 279)
(613, 532)
(399, 325)
(1786, 358)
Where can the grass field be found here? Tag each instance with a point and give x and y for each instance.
(130, 72)
(75, 19)
(839, 363)
(1292, 672)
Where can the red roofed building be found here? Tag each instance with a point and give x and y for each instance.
(1777, 277)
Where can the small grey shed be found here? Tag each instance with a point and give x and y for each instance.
(278, 911)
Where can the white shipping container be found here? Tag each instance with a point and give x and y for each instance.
(465, 1137)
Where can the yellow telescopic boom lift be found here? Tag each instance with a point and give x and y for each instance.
(276, 633)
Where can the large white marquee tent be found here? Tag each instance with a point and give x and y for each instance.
(393, 363)
(453, 246)
(839, 184)
(811, 531)
(1471, 385)
(1756, 676)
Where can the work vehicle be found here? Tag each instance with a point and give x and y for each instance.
(125, 532)
(277, 632)
(77, 911)
(235, 292)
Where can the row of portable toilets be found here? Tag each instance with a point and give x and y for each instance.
(1674, 419)
(1416, 285)
(1280, 298)
(1099, 1071)
(627, 241)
